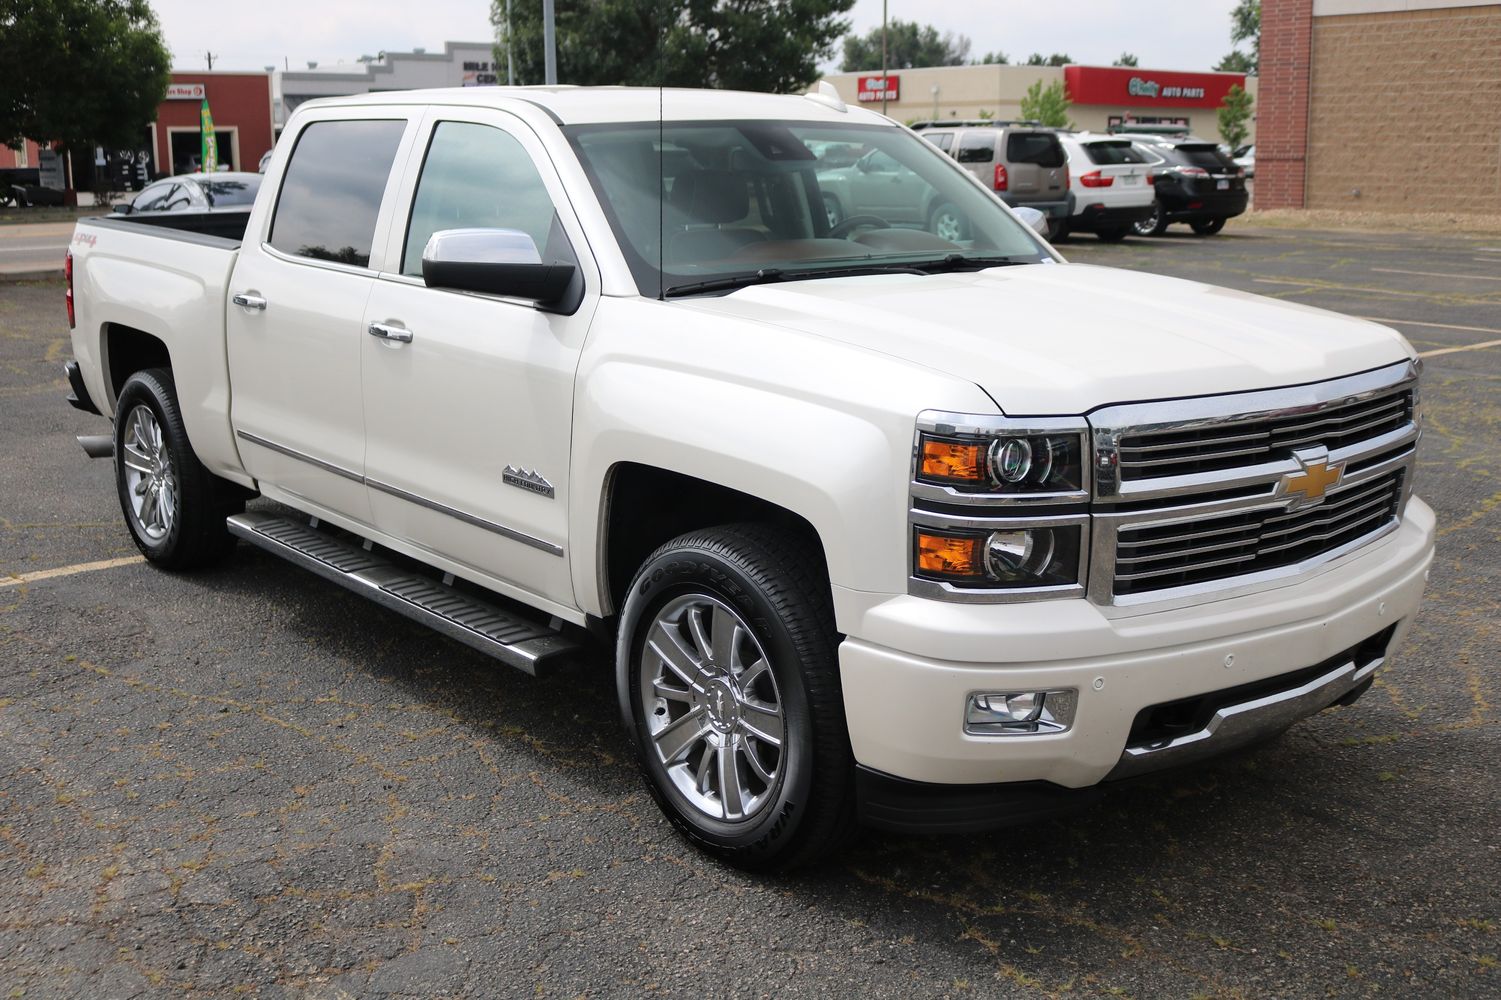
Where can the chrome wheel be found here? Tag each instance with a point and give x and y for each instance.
(1149, 225)
(831, 211)
(947, 224)
(713, 712)
(150, 480)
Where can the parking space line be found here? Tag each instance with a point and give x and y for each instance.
(1437, 326)
(88, 567)
(1456, 350)
(1435, 274)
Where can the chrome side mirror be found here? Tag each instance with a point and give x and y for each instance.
(497, 261)
(1034, 219)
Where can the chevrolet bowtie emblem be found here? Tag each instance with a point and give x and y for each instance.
(1316, 478)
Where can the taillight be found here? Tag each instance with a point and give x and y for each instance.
(1151, 178)
(1192, 171)
(1001, 180)
(68, 273)
(1095, 179)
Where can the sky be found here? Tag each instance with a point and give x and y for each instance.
(293, 32)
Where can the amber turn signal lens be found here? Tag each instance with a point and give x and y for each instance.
(953, 460)
(943, 555)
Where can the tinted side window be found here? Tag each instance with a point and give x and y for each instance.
(1041, 148)
(1207, 156)
(478, 177)
(943, 140)
(332, 190)
(151, 199)
(976, 147)
(1113, 152)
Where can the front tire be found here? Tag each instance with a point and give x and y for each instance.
(947, 223)
(173, 506)
(728, 680)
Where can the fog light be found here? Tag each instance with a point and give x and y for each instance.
(1020, 713)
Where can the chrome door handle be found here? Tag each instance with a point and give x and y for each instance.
(386, 332)
(248, 301)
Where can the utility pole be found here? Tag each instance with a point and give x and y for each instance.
(549, 45)
(510, 58)
(883, 56)
(210, 57)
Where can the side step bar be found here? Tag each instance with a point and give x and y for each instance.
(505, 635)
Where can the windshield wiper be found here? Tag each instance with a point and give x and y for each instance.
(961, 262)
(769, 275)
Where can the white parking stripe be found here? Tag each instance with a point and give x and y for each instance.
(1436, 274)
(1437, 326)
(88, 567)
(1456, 350)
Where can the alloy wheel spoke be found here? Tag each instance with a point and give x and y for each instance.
(136, 460)
(664, 641)
(701, 642)
(705, 770)
(762, 721)
(753, 673)
(753, 761)
(148, 509)
(665, 690)
(731, 794)
(678, 736)
(725, 639)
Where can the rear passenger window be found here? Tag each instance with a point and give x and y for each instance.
(1107, 153)
(943, 140)
(976, 148)
(1041, 148)
(332, 191)
(476, 177)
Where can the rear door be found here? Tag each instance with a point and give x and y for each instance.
(298, 297)
(883, 187)
(975, 151)
(1037, 166)
(471, 413)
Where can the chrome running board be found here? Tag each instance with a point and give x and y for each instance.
(509, 637)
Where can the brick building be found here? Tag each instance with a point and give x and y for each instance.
(1384, 105)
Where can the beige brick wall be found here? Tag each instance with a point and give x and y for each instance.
(1405, 107)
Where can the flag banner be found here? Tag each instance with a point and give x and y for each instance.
(209, 158)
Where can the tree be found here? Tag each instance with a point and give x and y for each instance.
(1048, 106)
(80, 72)
(1233, 113)
(765, 45)
(1056, 59)
(908, 45)
(1126, 59)
(1245, 26)
(996, 58)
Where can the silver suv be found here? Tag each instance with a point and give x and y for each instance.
(1022, 162)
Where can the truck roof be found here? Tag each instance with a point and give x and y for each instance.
(568, 105)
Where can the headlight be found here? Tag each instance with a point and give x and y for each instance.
(1011, 558)
(1003, 463)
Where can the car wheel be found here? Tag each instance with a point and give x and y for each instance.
(947, 223)
(1114, 234)
(1207, 227)
(1154, 224)
(728, 679)
(173, 506)
(1057, 229)
(831, 210)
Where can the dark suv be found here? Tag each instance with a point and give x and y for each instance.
(1195, 183)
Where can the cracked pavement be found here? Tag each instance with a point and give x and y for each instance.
(249, 782)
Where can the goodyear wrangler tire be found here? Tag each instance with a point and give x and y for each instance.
(728, 680)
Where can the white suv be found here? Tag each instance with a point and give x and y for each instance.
(1111, 183)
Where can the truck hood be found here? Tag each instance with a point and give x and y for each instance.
(1066, 338)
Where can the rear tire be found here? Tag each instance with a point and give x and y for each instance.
(728, 679)
(947, 223)
(1114, 234)
(1207, 227)
(1154, 224)
(832, 211)
(174, 507)
(1057, 229)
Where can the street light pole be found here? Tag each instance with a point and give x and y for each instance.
(883, 56)
(510, 57)
(549, 45)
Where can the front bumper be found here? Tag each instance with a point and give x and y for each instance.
(910, 664)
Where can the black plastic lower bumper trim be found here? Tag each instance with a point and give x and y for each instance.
(79, 397)
(901, 806)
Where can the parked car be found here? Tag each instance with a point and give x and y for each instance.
(221, 192)
(880, 188)
(866, 524)
(1245, 159)
(1022, 162)
(31, 196)
(1195, 183)
(1111, 184)
(265, 161)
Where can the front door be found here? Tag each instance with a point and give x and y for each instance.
(298, 295)
(469, 404)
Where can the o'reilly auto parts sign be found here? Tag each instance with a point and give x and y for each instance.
(876, 88)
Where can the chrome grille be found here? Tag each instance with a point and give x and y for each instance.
(1182, 451)
(1173, 555)
(1202, 495)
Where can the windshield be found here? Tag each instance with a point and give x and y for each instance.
(715, 204)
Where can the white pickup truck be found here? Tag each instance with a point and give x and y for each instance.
(925, 531)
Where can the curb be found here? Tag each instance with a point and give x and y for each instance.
(16, 277)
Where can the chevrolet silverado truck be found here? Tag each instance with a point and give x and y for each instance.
(876, 524)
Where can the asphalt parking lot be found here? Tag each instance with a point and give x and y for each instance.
(248, 782)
